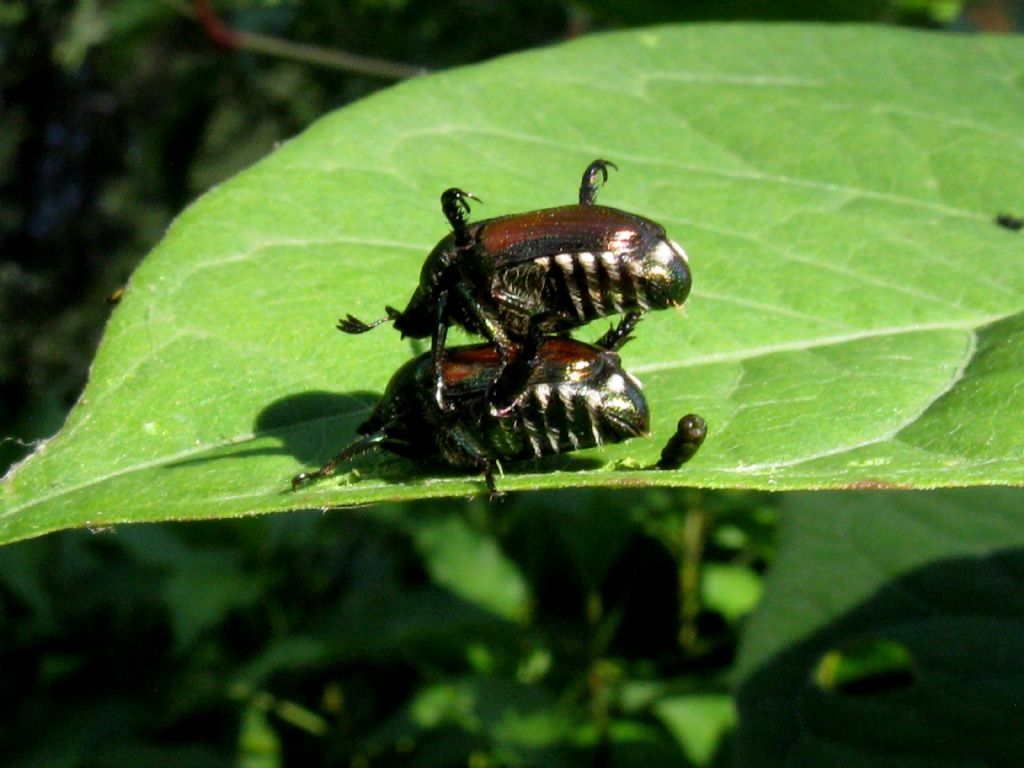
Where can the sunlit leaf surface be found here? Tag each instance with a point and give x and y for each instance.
(855, 319)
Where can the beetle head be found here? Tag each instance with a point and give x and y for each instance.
(399, 415)
(419, 317)
(417, 320)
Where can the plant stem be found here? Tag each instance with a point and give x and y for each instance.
(226, 37)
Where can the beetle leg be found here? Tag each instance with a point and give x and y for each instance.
(359, 446)
(616, 337)
(460, 447)
(488, 324)
(488, 470)
(589, 184)
(509, 385)
(437, 342)
(352, 324)
(455, 205)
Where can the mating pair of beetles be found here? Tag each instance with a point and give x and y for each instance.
(523, 282)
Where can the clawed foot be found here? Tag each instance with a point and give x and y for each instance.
(352, 324)
(589, 185)
(302, 478)
(488, 469)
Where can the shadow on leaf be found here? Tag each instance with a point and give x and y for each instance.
(315, 426)
(958, 625)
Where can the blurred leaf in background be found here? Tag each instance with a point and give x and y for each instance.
(370, 640)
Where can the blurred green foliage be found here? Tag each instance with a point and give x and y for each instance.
(543, 630)
(556, 629)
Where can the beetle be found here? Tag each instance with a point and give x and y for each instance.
(518, 277)
(576, 396)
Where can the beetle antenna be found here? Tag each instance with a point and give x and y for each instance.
(359, 446)
(455, 205)
(590, 185)
(680, 448)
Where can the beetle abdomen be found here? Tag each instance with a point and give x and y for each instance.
(558, 417)
(577, 288)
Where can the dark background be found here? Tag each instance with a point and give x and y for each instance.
(206, 644)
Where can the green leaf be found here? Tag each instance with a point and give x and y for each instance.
(923, 592)
(259, 746)
(730, 589)
(519, 721)
(698, 722)
(855, 320)
(471, 565)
